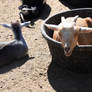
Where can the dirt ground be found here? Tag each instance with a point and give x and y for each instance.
(35, 73)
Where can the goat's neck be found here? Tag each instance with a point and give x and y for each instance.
(18, 34)
(19, 37)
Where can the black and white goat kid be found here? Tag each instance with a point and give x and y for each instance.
(30, 9)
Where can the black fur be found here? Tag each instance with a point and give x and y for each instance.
(27, 15)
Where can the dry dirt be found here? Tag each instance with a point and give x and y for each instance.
(33, 73)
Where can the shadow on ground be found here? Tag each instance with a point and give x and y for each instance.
(45, 12)
(72, 4)
(67, 4)
(14, 64)
(65, 81)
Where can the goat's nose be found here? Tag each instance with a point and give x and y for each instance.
(67, 49)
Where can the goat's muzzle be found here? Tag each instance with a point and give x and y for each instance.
(67, 51)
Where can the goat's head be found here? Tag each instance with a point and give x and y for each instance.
(68, 33)
(15, 25)
(16, 28)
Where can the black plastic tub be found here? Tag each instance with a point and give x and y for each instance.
(79, 3)
(81, 58)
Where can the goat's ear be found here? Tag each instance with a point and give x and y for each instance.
(75, 18)
(6, 25)
(85, 30)
(25, 24)
(62, 19)
(52, 27)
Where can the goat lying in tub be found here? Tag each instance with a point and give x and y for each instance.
(16, 48)
(72, 31)
(30, 9)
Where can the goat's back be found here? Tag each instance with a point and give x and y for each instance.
(84, 38)
(32, 2)
(11, 51)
